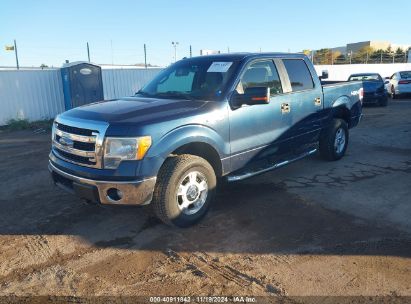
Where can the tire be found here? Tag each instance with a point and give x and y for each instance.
(330, 149)
(196, 180)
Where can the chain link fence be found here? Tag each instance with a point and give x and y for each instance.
(367, 58)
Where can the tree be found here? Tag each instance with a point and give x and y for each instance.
(322, 56)
(43, 65)
(340, 59)
(363, 55)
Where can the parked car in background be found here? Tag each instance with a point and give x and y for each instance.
(399, 83)
(374, 88)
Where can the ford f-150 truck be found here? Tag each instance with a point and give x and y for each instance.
(200, 122)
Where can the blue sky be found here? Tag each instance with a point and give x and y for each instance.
(51, 31)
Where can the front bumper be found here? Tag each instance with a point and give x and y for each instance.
(139, 192)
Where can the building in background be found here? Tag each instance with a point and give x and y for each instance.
(376, 45)
(339, 49)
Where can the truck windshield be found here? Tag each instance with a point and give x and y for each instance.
(197, 78)
(368, 77)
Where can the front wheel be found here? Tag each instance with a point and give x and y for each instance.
(185, 188)
(334, 140)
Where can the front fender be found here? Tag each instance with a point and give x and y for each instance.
(177, 138)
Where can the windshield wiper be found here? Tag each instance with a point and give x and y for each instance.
(140, 92)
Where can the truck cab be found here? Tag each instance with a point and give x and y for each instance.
(198, 122)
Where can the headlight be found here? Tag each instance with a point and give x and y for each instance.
(118, 149)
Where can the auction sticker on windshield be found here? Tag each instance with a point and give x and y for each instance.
(219, 67)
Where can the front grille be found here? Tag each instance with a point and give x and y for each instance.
(75, 158)
(84, 146)
(74, 130)
(77, 145)
(80, 145)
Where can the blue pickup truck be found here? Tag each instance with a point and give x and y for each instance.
(200, 122)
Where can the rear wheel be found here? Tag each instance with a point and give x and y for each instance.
(334, 140)
(185, 188)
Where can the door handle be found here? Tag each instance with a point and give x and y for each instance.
(285, 107)
(317, 101)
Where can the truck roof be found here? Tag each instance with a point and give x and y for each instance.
(241, 56)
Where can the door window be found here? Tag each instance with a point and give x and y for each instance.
(261, 74)
(299, 75)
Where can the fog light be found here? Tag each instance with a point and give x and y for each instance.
(114, 194)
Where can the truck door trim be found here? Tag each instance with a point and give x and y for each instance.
(285, 80)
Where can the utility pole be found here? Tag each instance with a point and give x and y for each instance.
(350, 54)
(17, 56)
(175, 50)
(88, 52)
(145, 56)
(112, 57)
(228, 49)
(191, 52)
(381, 58)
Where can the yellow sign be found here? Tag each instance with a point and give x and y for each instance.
(9, 48)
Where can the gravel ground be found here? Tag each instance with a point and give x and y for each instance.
(313, 228)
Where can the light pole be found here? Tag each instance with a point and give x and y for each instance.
(88, 52)
(175, 50)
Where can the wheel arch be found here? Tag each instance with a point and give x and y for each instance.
(203, 150)
(190, 139)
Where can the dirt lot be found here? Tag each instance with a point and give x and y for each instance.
(312, 228)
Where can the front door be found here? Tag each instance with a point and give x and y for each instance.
(255, 129)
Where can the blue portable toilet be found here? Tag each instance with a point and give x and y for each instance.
(82, 84)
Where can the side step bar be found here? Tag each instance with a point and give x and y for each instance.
(241, 176)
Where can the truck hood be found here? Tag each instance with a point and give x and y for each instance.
(135, 110)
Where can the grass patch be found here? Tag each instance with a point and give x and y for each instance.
(24, 124)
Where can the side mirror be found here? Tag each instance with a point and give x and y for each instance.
(386, 82)
(324, 75)
(252, 96)
(388, 78)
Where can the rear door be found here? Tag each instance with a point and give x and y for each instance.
(304, 101)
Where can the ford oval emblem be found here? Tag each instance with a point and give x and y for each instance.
(66, 142)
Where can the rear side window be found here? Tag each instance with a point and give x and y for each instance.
(300, 76)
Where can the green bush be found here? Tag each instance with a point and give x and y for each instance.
(24, 124)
